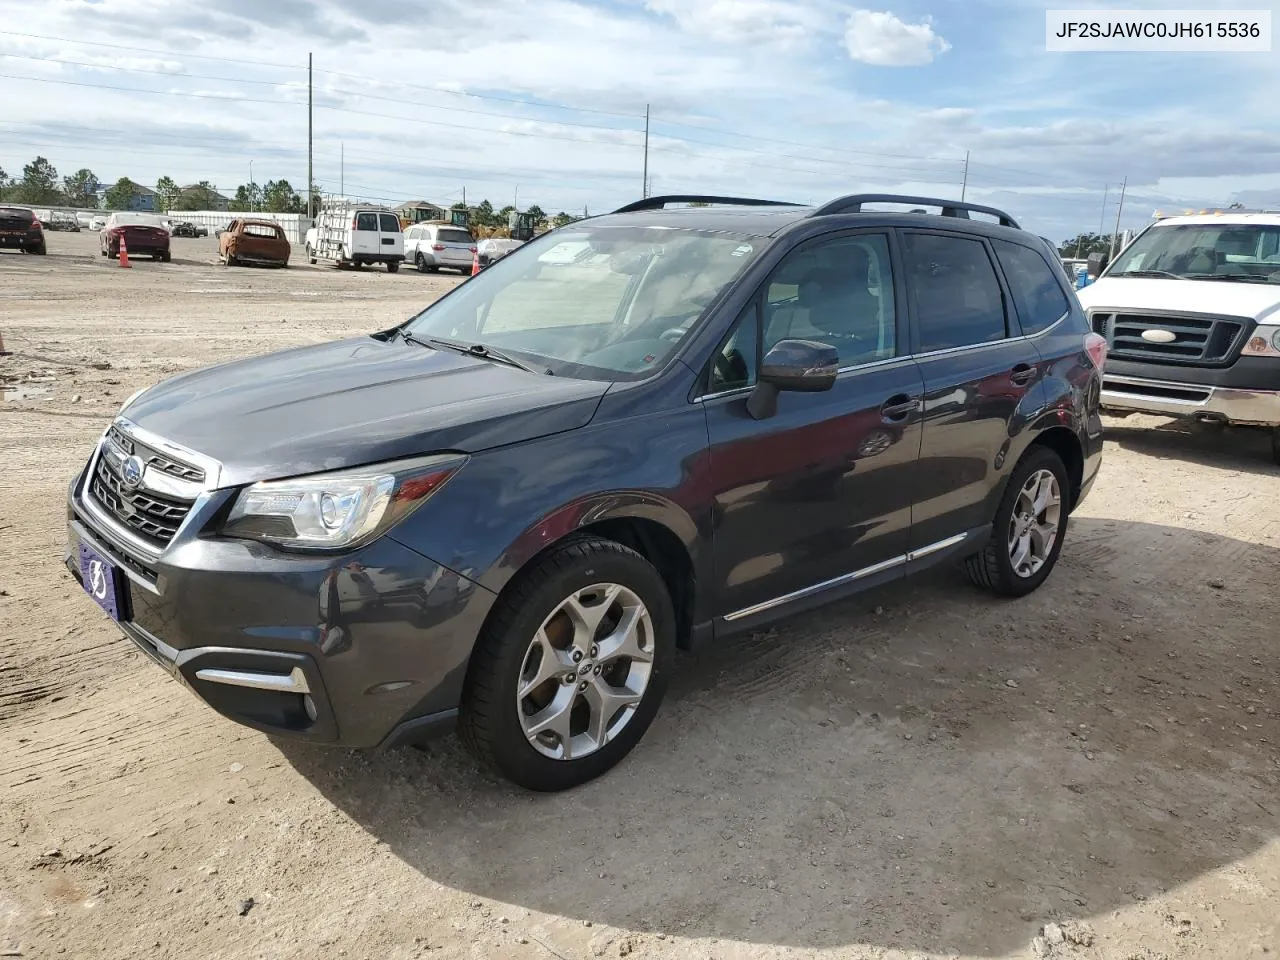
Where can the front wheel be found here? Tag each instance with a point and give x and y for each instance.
(1026, 535)
(570, 670)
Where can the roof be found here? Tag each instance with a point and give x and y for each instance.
(418, 204)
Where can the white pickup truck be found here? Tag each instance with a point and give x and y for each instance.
(1191, 313)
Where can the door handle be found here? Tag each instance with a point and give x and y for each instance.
(1022, 374)
(899, 407)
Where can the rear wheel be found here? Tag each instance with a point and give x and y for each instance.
(311, 255)
(569, 672)
(421, 263)
(1275, 445)
(393, 266)
(1030, 523)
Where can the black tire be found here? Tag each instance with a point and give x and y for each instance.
(421, 263)
(166, 257)
(39, 251)
(992, 569)
(489, 721)
(1275, 445)
(393, 266)
(311, 256)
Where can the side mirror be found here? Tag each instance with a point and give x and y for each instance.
(799, 366)
(1097, 263)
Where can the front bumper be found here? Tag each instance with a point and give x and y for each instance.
(361, 649)
(1234, 405)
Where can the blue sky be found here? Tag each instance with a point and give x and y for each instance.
(544, 101)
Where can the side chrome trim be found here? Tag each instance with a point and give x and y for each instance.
(852, 368)
(935, 547)
(844, 578)
(294, 682)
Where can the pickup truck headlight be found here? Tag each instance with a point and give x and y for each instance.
(1265, 342)
(338, 510)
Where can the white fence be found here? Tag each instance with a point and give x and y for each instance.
(295, 225)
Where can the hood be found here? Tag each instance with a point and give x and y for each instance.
(354, 402)
(1260, 302)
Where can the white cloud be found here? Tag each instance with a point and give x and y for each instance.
(884, 40)
(782, 22)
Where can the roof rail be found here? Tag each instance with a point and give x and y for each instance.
(950, 208)
(658, 203)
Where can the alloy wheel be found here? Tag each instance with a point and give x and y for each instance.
(1033, 528)
(585, 671)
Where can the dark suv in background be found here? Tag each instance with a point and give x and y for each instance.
(634, 434)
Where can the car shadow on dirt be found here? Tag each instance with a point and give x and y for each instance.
(1246, 449)
(922, 767)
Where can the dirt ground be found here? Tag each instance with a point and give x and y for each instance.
(918, 772)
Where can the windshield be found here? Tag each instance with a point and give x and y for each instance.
(1227, 251)
(598, 302)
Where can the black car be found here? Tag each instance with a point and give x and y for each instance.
(19, 229)
(633, 435)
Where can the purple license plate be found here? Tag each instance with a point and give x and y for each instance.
(99, 580)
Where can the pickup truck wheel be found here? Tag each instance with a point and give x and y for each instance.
(1030, 523)
(569, 670)
(393, 266)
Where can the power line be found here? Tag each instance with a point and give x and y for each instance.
(157, 73)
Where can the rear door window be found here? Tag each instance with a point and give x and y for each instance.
(366, 221)
(1037, 294)
(955, 296)
(390, 223)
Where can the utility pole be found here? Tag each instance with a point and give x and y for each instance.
(1115, 236)
(516, 201)
(311, 210)
(464, 194)
(965, 183)
(645, 181)
(1102, 220)
(342, 169)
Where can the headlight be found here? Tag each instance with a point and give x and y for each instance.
(1265, 342)
(337, 510)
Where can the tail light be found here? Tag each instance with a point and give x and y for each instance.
(437, 246)
(353, 223)
(472, 249)
(1096, 346)
(37, 224)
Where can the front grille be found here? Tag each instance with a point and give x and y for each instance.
(155, 458)
(1201, 341)
(153, 517)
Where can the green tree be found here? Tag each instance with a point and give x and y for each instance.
(200, 196)
(167, 193)
(539, 216)
(5, 183)
(120, 195)
(1083, 244)
(278, 196)
(39, 183)
(81, 188)
(482, 214)
(562, 219)
(247, 199)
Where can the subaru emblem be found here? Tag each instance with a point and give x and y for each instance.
(131, 472)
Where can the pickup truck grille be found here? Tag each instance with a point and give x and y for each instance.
(1200, 341)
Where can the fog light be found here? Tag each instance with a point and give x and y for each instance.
(309, 705)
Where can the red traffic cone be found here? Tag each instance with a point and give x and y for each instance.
(475, 261)
(124, 253)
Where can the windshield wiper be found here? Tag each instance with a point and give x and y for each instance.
(1228, 278)
(1162, 274)
(474, 350)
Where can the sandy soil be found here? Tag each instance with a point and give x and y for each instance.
(919, 772)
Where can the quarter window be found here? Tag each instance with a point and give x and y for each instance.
(839, 292)
(734, 365)
(1036, 291)
(956, 297)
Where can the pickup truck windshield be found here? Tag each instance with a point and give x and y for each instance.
(598, 302)
(1246, 253)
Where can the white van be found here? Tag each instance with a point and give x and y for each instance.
(353, 234)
